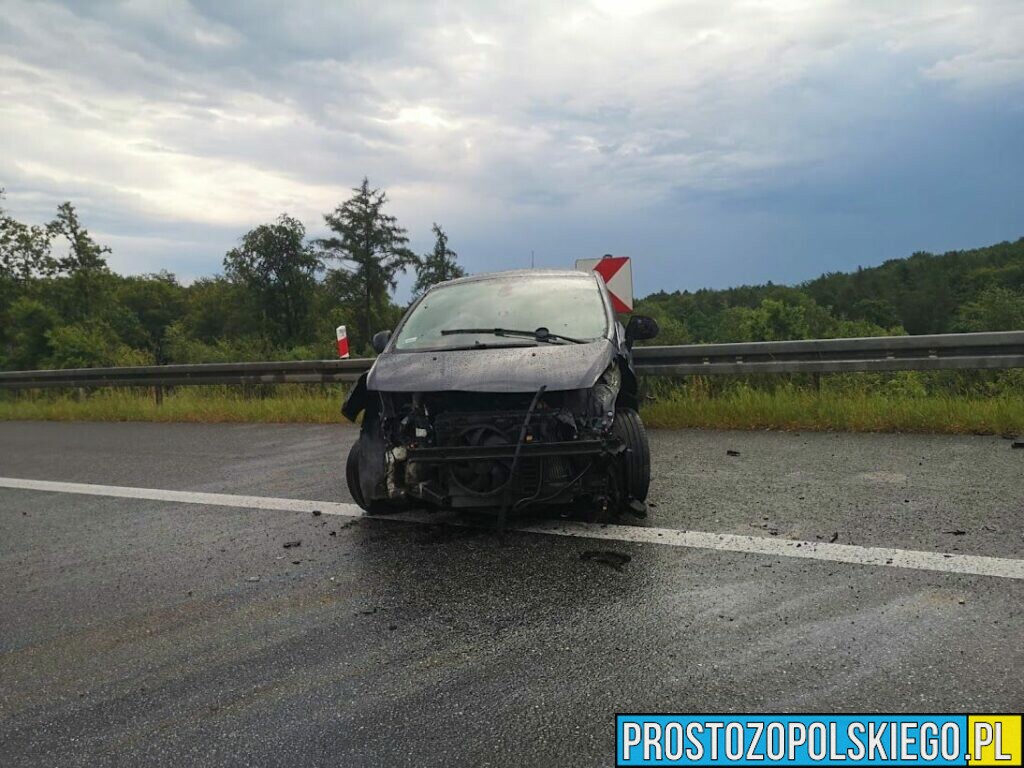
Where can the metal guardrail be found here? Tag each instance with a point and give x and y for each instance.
(947, 351)
(288, 372)
(953, 351)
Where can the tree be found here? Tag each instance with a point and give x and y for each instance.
(30, 322)
(437, 266)
(994, 309)
(24, 249)
(881, 312)
(279, 268)
(777, 321)
(216, 308)
(85, 292)
(156, 300)
(85, 255)
(371, 247)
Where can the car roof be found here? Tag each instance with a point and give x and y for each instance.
(518, 274)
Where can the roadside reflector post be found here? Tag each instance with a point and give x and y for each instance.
(342, 335)
(617, 273)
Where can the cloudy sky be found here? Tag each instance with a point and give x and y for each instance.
(718, 142)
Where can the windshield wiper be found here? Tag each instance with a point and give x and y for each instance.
(541, 334)
(482, 345)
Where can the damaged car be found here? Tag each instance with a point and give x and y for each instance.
(504, 392)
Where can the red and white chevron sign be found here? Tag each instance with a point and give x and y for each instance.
(618, 276)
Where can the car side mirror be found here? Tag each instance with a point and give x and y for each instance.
(380, 340)
(640, 328)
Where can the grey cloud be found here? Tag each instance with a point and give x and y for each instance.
(212, 115)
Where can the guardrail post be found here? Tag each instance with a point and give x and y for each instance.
(158, 395)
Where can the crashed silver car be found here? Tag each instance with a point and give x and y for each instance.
(503, 392)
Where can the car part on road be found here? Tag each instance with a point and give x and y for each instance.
(612, 559)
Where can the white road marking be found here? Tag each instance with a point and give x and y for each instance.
(977, 565)
(185, 497)
(945, 562)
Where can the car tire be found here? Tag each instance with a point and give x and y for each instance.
(352, 475)
(375, 507)
(635, 461)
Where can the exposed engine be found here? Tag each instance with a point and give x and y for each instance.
(470, 449)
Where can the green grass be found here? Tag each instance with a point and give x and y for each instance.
(280, 404)
(788, 409)
(740, 408)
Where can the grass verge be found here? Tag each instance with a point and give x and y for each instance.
(840, 411)
(783, 409)
(281, 404)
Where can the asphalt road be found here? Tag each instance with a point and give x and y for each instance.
(134, 631)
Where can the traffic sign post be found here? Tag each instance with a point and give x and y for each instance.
(617, 273)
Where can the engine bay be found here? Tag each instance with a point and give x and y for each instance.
(509, 450)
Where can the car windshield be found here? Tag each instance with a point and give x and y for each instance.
(571, 307)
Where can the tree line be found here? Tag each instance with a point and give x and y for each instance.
(960, 291)
(281, 294)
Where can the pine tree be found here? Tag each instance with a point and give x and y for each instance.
(437, 266)
(371, 247)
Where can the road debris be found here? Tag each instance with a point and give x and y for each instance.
(956, 532)
(253, 578)
(317, 513)
(731, 452)
(1018, 443)
(612, 559)
(290, 544)
(833, 538)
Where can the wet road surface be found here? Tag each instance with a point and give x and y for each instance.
(143, 631)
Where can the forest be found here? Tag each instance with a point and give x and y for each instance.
(960, 291)
(281, 294)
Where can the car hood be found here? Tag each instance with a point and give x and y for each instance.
(520, 369)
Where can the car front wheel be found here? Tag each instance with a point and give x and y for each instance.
(355, 489)
(352, 475)
(635, 461)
